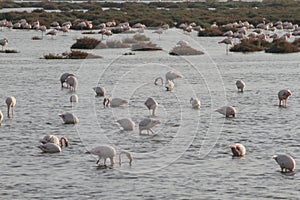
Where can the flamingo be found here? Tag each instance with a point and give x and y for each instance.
(115, 102)
(1, 117)
(151, 104)
(3, 42)
(10, 102)
(50, 147)
(127, 124)
(169, 84)
(69, 118)
(286, 162)
(42, 29)
(227, 111)
(64, 77)
(106, 151)
(238, 149)
(195, 103)
(100, 91)
(53, 139)
(227, 41)
(74, 98)
(72, 82)
(240, 85)
(147, 124)
(170, 75)
(283, 95)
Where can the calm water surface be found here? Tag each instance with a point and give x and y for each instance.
(187, 158)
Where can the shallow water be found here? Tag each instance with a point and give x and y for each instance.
(188, 156)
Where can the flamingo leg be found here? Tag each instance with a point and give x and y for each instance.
(98, 161)
(151, 130)
(112, 162)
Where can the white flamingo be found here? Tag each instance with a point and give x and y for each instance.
(127, 124)
(52, 147)
(170, 75)
(147, 124)
(3, 42)
(227, 41)
(195, 103)
(227, 111)
(1, 117)
(69, 118)
(74, 98)
(238, 149)
(283, 95)
(64, 77)
(286, 162)
(106, 151)
(151, 104)
(169, 84)
(53, 139)
(100, 91)
(115, 102)
(72, 83)
(10, 102)
(240, 85)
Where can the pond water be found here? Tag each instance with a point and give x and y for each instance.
(188, 156)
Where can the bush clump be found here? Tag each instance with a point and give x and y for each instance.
(283, 46)
(210, 32)
(184, 51)
(8, 51)
(116, 44)
(86, 43)
(250, 45)
(141, 46)
(140, 37)
(71, 55)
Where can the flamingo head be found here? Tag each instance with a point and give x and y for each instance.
(61, 116)
(235, 150)
(124, 101)
(45, 140)
(191, 99)
(289, 93)
(156, 122)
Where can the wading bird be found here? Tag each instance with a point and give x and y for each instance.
(283, 95)
(147, 124)
(227, 111)
(238, 149)
(195, 103)
(240, 85)
(151, 104)
(286, 162)
(10, 102)
(115, 102)
(126, 124)
(69, 118)
(106, 151)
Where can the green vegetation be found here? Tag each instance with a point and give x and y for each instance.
(71, 55)
(282, 46)
(158, 13)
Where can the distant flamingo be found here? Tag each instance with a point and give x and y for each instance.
(195, 103)
(1, 117)
(10, 102)
(53, 139)
(286, 162)
(227, 111)
(127, 124)
(240, 85)
(151, 104)
(69, 118)
(52, 32)
(169, 84)
(147, 124)
(74, 98)
(72, 83)
(227, 41)
(43, 29)
(64, 77)
(238, 149)
(115, 102)
(3, 42)
(50, 147)
(100, 91)
(283, 95)
(106, 151)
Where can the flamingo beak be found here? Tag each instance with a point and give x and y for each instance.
(43, 141)
(61, 115)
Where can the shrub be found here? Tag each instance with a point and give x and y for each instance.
(71, 55)
(211, 32)
(282, 46)
(116, 44)
(250, 45)
(184, 51)
(140, 37)
(86, 43)
(141, 46)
